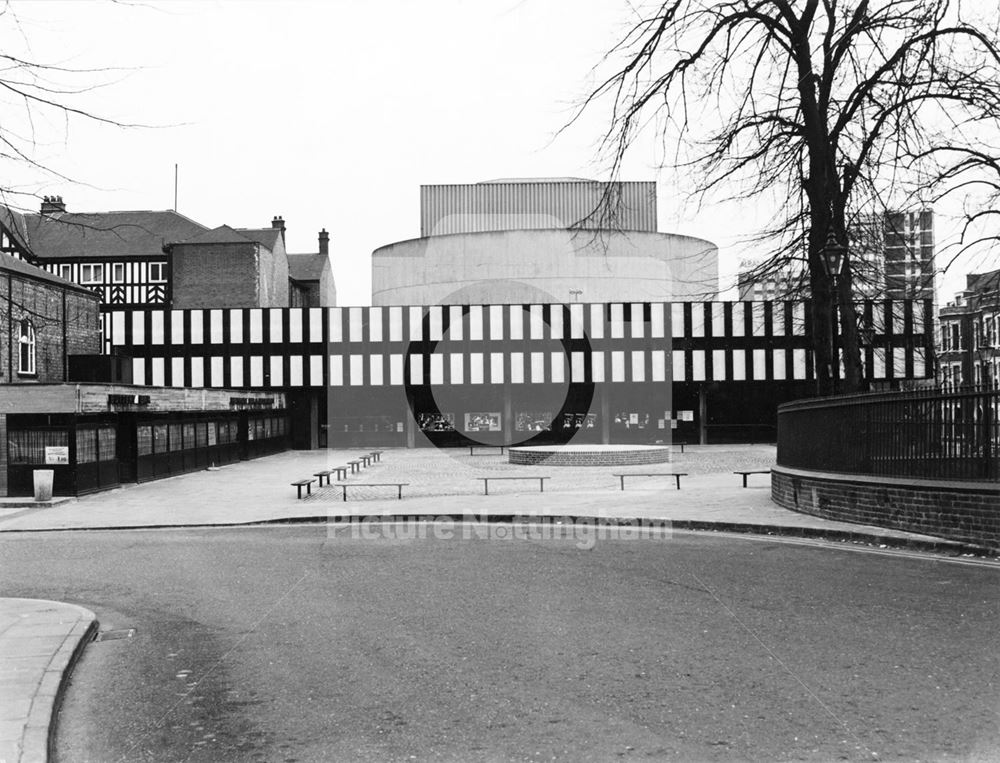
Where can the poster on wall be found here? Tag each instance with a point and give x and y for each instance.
(56, 455)
(533, 421)
(436, 422)
(483, 422)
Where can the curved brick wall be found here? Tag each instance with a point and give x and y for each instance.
(962, 511)
(596, 456)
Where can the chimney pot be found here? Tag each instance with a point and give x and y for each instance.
(52, 205)
(324, 242)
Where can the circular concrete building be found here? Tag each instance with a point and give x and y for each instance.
(542, 241)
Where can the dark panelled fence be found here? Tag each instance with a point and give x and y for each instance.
(931, 434)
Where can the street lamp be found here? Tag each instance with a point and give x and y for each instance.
(575, 293)
(833, 256)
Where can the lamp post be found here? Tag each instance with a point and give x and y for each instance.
(833, 260)
(575, 294)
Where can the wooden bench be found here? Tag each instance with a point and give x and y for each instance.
(397, 485)
(307, 484)
(340, 471)
(472, 449)
(376, 455)
(682, 444)
(320, 475)
(675, 475)
(355, 465)
(366, 460)
(752, 471)
(486, 482)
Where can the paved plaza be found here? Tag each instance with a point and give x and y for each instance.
(446, 482)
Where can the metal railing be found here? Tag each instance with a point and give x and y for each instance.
(931, 434)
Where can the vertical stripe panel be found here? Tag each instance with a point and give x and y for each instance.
(395, 324)
(496, 368)
(739, 365)
(217, 371)
(355, 324)
(356, 370)
(496, 322)
(177, 372)
(316, 369)
(798, 364)
(638, 365)
(558, 365)
(435, 327)
(256, 326)
(697, 365)
(577, 368)
(416, 324)
(597, 321)
(476, 323)
(236, 372)
(295, 370)
(138, 371)
(197, 318)
(316, 324)
(456, 372)
(336, 320)
(697, 319)
(537, 367)
(597, 374)
(476, 368)
(157, 373)
(718, 365)
(437, 368)
(657, 322)
(537, 322)
(235, 327)
(679, 369)
(156, 327)
(556, 321)
(215, 333)
(336, 370)
(396, 369)
(375, 370)
(274, 319)
(277, 377)
(617, 362)
(617, 321)
(517, 368)
(295, 325)
(576, 321)
(455, 323)
(375, 324)
(779, 365)
(739, 310)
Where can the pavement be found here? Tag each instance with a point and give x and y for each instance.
(39, 640)
(39, 643)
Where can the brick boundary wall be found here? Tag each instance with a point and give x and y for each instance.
(615, 457)
(957, 510)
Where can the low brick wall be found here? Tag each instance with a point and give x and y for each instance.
(595, 457)
(962, 511)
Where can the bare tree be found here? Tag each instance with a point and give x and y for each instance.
(821, 104)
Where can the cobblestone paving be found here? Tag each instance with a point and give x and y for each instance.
(433, 472)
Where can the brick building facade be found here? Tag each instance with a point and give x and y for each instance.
(45, 320)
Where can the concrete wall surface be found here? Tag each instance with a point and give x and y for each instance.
(531, 266)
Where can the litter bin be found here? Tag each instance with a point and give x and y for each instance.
(43, 484)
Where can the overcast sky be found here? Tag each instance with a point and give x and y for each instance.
(332, 114)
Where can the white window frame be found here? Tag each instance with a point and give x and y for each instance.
(66, 272)
(162, 267)
(87, 272)
(117, 267)
(26, 341)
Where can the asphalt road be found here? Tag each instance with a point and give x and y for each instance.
(283, 644)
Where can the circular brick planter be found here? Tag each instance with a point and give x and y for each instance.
(589, 455)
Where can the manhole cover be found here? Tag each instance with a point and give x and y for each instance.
(114, 635)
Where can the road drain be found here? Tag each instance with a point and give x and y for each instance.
(115, 635)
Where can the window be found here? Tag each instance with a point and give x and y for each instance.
(86, 445)
(106, 442)
(28, 447)
(157, 272)
(90, 274)
(118, 272)
(26, 340)
(144, 440)
(66, 272)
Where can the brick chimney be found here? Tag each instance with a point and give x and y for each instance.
(52, 205)
(279, 223)
(324, 242)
